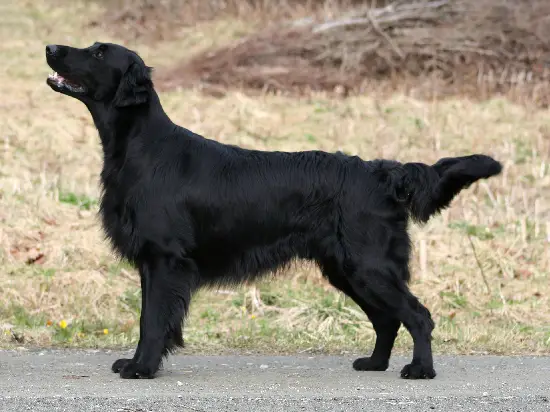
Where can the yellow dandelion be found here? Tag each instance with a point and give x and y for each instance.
(252, 316)
(63, 324)
(105, 331)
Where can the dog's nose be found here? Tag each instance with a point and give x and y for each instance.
(51, 49)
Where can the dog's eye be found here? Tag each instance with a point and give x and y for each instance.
(98, 54)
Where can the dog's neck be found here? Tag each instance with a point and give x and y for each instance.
(118, 125)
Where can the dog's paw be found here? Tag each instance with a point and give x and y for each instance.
(134, 370)
(417, 371)
(368, 364)
(119, 364)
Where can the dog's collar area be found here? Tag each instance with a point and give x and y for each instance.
(62, 82)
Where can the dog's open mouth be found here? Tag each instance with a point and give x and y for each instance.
(61, 82)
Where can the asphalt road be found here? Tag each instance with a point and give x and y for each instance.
(80, 381)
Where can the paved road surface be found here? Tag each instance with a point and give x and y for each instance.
(80, 381)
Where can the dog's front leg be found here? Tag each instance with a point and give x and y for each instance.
(120, 363)
(167, 285)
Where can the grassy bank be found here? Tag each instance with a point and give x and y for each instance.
(482, 267)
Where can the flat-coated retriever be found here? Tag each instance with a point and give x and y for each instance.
(190, 212)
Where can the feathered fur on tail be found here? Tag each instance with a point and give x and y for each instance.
(429, 189)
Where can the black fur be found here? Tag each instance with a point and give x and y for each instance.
(190, 212)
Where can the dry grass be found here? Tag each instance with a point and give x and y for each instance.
(54, 264)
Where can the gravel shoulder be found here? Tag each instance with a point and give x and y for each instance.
(71, 380)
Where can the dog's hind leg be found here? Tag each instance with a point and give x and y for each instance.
(385, 288)
(375, 276)
(385, 325)
(169, 284)
(418, 321)
(386, 328)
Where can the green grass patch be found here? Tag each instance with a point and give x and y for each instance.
(81, 201)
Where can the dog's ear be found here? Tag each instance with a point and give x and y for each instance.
(135, 86)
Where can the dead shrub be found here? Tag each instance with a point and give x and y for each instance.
(473, 47)
(153, 20)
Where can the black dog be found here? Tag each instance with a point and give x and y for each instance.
(191, 212)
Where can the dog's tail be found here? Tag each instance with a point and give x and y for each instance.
(429, 189)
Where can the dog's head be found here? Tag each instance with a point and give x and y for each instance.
(103, 72)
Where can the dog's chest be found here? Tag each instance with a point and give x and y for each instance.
(138, 216)
(119, 214)
(119, 224)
